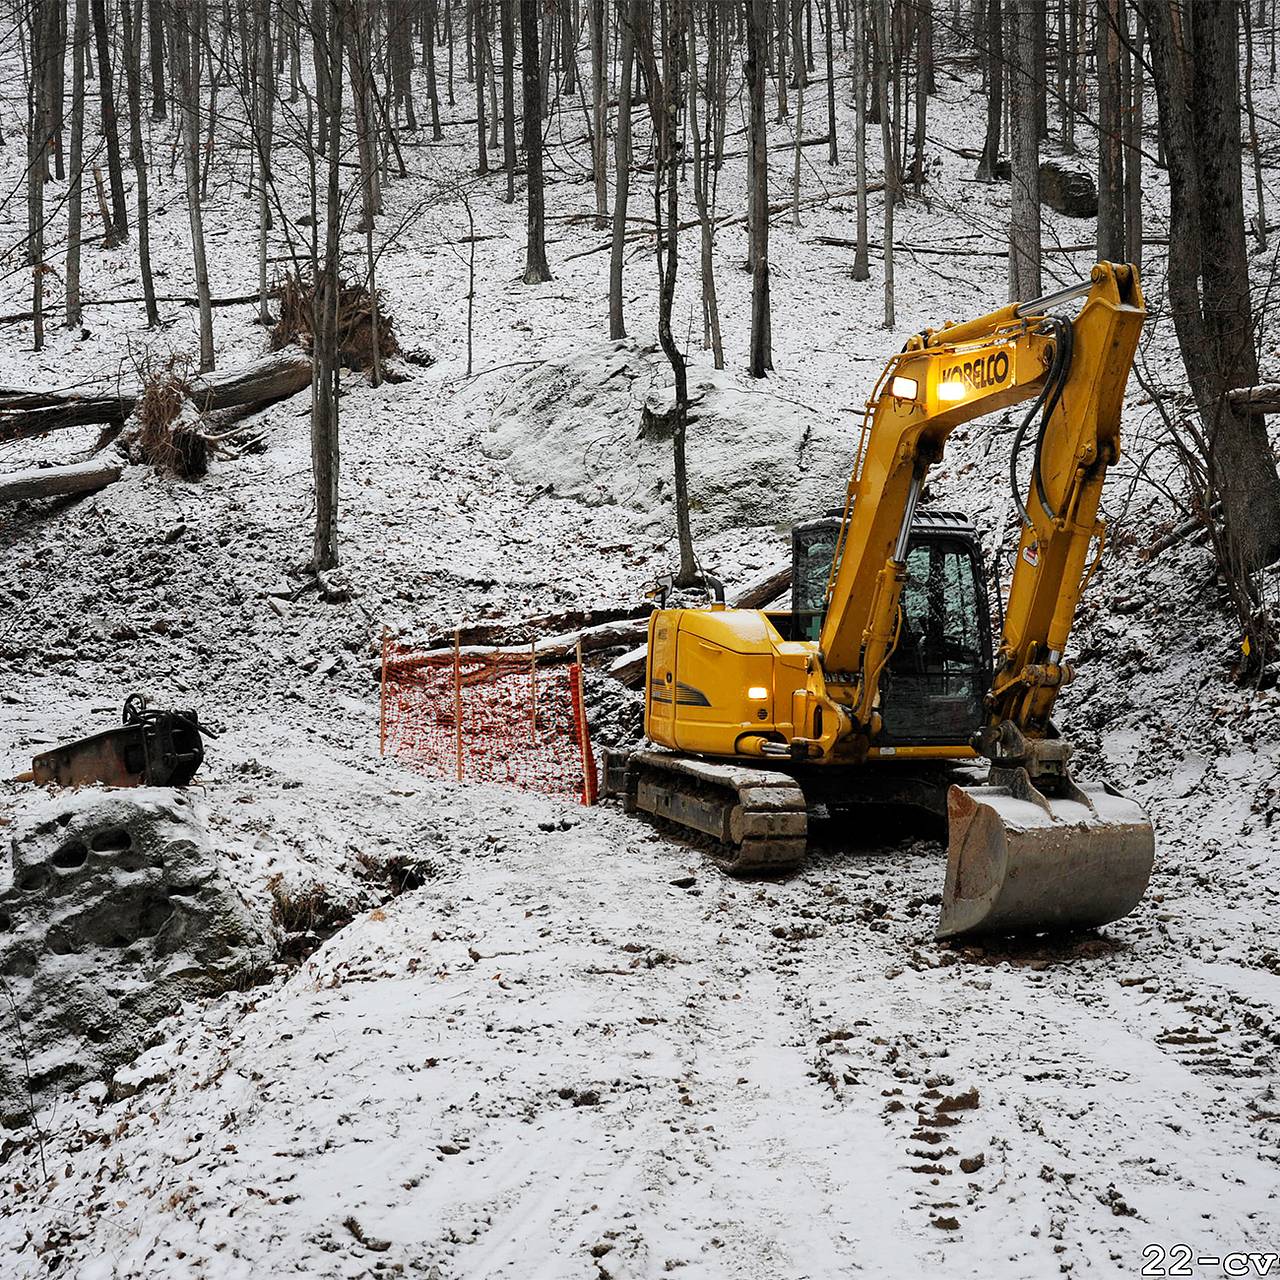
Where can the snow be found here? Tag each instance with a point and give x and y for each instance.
(551, 1061)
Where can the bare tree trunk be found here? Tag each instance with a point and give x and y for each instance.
(1075, 41)
(861, 266)
(264, 128)
(110, 126)
(622, 168)
(797, 54)
(780, 56)
(75, 193)
(358, 40)
(761, 357)
(508, 25)
(891, 175)
(994, 51)
(833, 150)
(448, 39)
(190, 24)
(320, 65)
(131, 19)
(598, 16)
(665, 95)
(155, 33)
(1255, 151)
(1024, 220)
(710, 306)
(324, 387)
(536, 270)
(923, 35)
(1199, 97)
(1039, 66)
(56, 71)
(1132, 56)
(44, 16)
(1064, 100)
(1111, 246)
(477, 35)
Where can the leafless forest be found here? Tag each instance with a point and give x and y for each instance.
(315, 113)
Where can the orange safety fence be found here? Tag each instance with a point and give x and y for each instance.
(488, 716)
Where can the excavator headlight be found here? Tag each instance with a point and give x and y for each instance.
(951, 391)
(757, 692)
(904, 388)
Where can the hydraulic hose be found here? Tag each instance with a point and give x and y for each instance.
(1044, 405)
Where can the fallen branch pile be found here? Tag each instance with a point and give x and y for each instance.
(618, 628)
(629, 668)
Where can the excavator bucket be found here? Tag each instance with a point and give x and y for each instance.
(1021, 862)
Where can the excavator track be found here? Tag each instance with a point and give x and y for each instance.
(755, 819)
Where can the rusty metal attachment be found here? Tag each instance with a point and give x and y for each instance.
(148, 749)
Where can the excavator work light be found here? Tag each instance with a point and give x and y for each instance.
(951, 391)
(904, 388)
(757, 691)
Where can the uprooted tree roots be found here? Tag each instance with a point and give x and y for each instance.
(355, 322)
(168, 432)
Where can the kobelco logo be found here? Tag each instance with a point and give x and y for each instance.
(982, 372)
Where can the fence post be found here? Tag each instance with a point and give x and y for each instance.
(382, 696)
(533, 690)
(584, 737)
(457, 695)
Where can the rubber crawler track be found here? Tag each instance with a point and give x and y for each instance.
(754, 820)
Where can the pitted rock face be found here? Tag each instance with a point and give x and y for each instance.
(112, 912)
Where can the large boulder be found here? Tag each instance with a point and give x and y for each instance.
(113, 911)
(595, 423)
(1068, 187)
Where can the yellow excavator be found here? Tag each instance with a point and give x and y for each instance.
(880, 681)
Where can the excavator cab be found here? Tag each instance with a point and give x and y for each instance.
(940, 669)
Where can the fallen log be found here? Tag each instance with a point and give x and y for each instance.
(271, 378)
(25, 398)
(1264, 398)
(75, 411)
(524, 630)
(1193, 527)
(763, 590)
(608, 635)
(53, 482)
(25, 414)
(239, 300)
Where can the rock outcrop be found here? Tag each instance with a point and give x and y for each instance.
(1068, 188)
(113, 911)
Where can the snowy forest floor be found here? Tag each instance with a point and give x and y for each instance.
(551, 1061)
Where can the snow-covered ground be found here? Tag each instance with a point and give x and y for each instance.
(551, 1060)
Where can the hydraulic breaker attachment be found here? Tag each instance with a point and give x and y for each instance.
(1021, 861)
(149, 749)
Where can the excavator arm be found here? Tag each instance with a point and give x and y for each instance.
(1075, 374)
